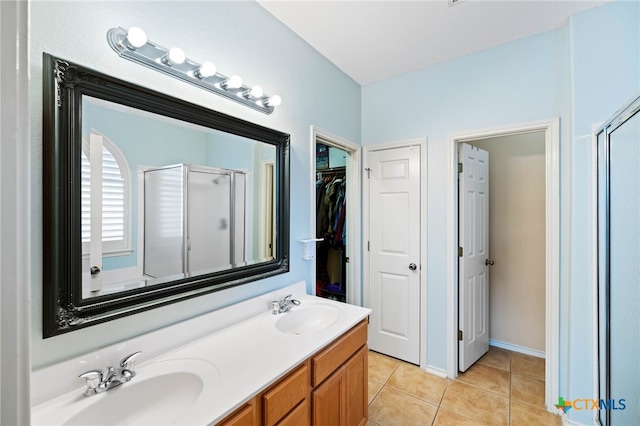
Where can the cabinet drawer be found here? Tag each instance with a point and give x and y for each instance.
(327, 361)
(298, 417)
(242, 417)
(281, 398)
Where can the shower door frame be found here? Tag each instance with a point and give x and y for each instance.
(603, 289)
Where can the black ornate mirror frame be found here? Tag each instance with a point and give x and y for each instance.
(64, 309)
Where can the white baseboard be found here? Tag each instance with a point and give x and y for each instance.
(567, 422)
(436, 371)
(516, 348)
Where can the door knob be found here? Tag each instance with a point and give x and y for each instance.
(489, 262)
(413, 266)
(95, 270)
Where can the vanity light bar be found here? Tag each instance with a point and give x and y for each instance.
(134, 46)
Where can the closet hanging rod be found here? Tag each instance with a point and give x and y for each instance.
(332, 170)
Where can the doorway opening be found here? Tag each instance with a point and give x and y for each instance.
(336, 203)
(510, 274)
(550, 131)
(331, 209)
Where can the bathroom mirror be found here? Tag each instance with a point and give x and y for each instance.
(149, 199)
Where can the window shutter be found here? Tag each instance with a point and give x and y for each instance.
(113, 199)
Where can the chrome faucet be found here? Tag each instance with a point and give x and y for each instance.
(284, 305)
(99, 381)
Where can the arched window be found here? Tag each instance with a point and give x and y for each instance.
(115, 198)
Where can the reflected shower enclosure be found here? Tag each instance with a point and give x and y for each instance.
(194, 220)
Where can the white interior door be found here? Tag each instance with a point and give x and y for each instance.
(473, 252)
(95, 245)
(394, 245)
(268, 216)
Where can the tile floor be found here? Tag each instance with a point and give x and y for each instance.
(502, 388)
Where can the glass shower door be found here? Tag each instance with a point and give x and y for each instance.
(619, 147)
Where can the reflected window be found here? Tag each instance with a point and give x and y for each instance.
(111, 197)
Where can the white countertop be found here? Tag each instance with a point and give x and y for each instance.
(249, 356)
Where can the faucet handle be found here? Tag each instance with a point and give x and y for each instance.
(129, 361)
(93, 378)
(126, 371)
(288, 298)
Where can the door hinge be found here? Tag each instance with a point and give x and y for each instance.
(459, 167)
(460, 251)
(368, 170)
(346, 260)
(460, 335)
(368, 245)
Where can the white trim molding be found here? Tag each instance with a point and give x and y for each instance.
(551, 129)
(517, 348)
(422, 142)
(436, 371)
(16, 216)
(354, 247)
(594, 268)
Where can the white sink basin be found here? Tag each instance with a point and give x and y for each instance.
(307, 318)
(162, 393)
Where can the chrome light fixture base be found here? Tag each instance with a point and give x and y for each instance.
(154, 56)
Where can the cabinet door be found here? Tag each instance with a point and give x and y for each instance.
(356, 386)
(329, 401)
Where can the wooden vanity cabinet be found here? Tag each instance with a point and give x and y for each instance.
(340, 381)
(328, 389)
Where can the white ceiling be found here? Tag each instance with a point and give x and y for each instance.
(373, 40)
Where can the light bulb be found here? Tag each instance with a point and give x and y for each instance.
(175, 56)
(274, 101)
(207, 69)
(256, 92)
(136, 38)
(233, 82)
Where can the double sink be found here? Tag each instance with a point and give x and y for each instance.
(181, 387)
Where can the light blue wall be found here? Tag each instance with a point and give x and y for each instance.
(240, 37)
(518, 82)
(605, 52)
(581, 73)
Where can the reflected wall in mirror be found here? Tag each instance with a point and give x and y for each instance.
(150, 200)
(171, 199)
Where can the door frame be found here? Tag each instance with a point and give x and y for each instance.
(267, 193)
(353, 251)
(422, 142)
(20, 230)
(551, 129)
